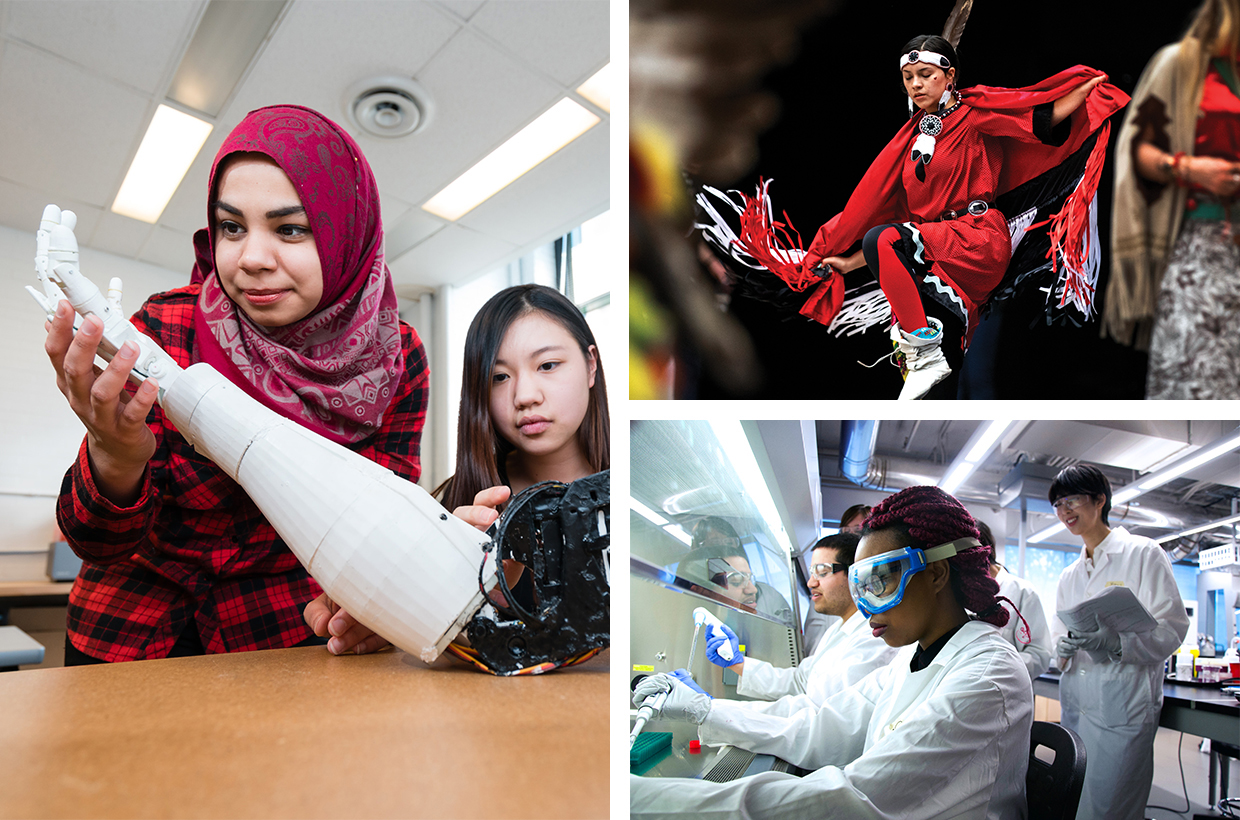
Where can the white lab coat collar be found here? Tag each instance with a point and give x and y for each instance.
(854, 622)
(966, 635)
(1102, 552)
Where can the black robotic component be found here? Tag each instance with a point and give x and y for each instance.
(562, 534)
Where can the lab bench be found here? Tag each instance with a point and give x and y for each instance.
(716, 763)
(303, 733)
(1204, 711)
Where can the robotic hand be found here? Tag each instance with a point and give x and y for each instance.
(680, 702)
(56, 265)
(379, 545)
(723, 648)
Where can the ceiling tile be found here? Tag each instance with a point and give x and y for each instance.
(464, 9)
(411, 228)
(171, 250)
(21, 206)
(65, 130)
(132, 41)
(570, 186)
(569, 41)
(482, 97)
(363, 39)
(119, 235)
(453, 254)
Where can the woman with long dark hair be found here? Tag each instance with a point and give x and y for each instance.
(533, 408)
(292, 301)
(942, 731)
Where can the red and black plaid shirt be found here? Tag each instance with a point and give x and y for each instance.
(194, 547)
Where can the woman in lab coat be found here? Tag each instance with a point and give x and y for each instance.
(1112, 692)
(1029, 633)
(942, 732)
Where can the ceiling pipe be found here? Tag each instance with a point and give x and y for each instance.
(858, 440)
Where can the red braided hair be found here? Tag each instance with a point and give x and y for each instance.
(927, 517)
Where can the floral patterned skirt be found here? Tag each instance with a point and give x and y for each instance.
(1195, 348)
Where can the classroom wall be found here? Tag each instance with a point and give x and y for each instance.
(39, 434)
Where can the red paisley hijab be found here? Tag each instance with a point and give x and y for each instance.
(336, 370)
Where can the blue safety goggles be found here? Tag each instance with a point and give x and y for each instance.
(877, 584)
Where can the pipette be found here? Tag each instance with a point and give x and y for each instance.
(701, 616)
(649, 707)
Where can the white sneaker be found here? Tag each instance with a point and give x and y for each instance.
(924, 364)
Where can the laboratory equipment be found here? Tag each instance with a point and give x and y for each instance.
(647, 711)
(701, 616)
(380, 546)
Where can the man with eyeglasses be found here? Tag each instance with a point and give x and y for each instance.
(1111, 690)
(718, 557)
(846, 653)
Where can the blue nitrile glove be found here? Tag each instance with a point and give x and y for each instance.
(717, 636)
(684, 677)
(682, 703)
(1103, 640)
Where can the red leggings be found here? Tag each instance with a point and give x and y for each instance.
(895, 276)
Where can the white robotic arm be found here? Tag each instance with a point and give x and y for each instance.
(380, 546)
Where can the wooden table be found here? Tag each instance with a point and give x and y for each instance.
(302, 733)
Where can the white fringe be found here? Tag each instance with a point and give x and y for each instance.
(720, 234)
(1083, 302)
(861, 311)
(1019, 224)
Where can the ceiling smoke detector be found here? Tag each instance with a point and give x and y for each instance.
(388, 106)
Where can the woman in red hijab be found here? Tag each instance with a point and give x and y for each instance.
(292, 301)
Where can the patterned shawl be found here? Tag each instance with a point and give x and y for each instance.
(335, 371)
(1146, 216)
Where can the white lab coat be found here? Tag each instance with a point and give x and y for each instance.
(950, 741)
(1114, 704)
(844, 655)
(1037, 653)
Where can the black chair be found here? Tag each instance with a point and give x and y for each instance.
(1053, 789)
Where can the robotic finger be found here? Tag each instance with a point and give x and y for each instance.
(56, 265)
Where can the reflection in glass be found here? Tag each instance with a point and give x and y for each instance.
(695, 529)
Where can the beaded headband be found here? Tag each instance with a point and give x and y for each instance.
(929, 57)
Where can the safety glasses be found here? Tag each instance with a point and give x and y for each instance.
(877, 584)
(1069, 502)
(826, 570)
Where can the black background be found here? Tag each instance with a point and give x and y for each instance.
(842, 101)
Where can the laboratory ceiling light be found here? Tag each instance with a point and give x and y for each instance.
(735, 445)
(674, 530)
(597, 89)
(973, 454)
(1222, 522)
(172, 141)
(1142, 486)
(560, 125)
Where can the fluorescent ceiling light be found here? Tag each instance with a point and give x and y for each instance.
(1222, 522)
(560, 125)
(989, 436)
(1125, 495)
(976, 450)
(735, 444)
(168, 149)
(1180, 468)
(1041, 536)
(597, 89)
(957, 476)
(647, 513)
(677, 532)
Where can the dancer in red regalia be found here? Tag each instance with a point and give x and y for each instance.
(942, 212)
